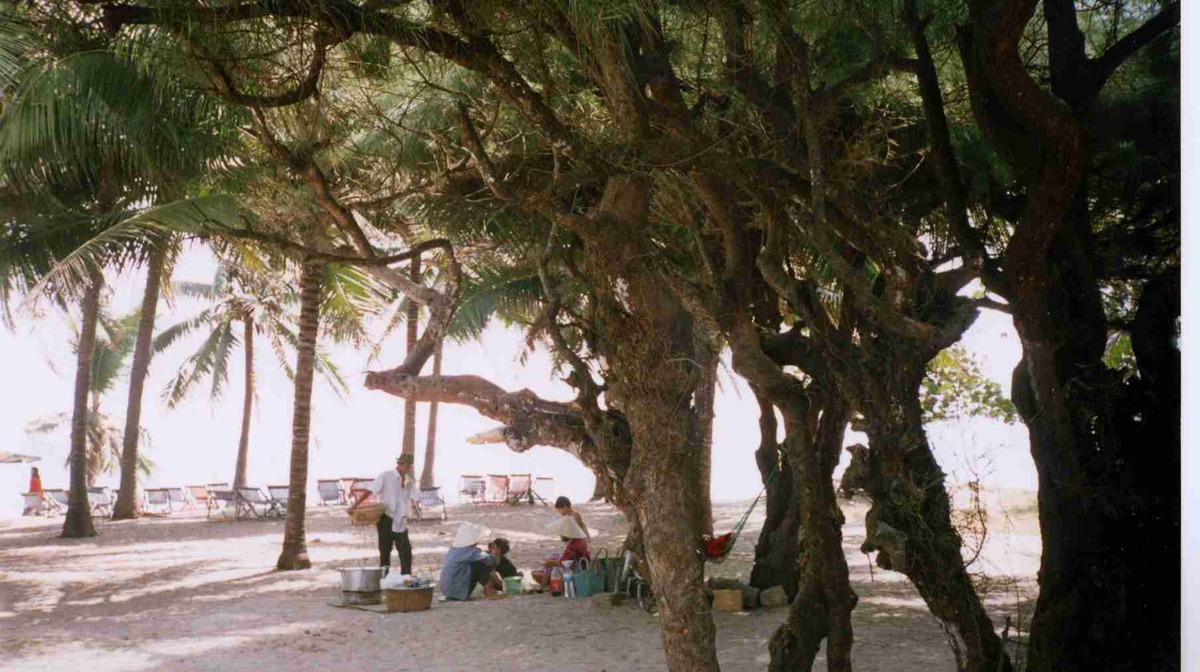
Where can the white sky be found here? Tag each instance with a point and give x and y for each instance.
(197, 442)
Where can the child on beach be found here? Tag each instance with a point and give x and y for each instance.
(563, 506)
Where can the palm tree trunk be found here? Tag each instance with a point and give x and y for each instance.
(295, 549)
(127, 499)
(78, 522)
(431, 434)
(408, 444)
(239, 473)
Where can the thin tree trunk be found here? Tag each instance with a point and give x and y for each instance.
(295, 549)
(779, 541)
(431, 434)
(239, 472)
(127, 505)
(409, 440)
(825, 600)
(706, 396)
(78, 522)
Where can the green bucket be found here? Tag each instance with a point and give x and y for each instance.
(512, 585)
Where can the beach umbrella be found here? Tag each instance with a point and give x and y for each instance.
(16, 458)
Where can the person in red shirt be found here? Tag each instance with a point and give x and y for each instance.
(35, 481)
(577, 548)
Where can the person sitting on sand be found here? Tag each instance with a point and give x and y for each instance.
(499, 549)
(577, 548)
(466, 565)
(563, 506)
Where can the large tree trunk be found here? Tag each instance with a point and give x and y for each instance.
(243, 452)
(127, 505)
(295, 549)
(825, 600)
(775, 554)
(909, 521)
(408, 444)
(666, 479)
(78, 522)
(431, 434)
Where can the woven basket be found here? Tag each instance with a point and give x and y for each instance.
(409, 599)
(367, 515)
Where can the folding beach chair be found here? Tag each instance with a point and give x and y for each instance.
(470, 488)
(177, 497)
(255, 502)
(199, 494)
(158, 499)
(37, 504)
(520, 486)
(428, 501)
(101, 500)
(329, 492)
(279, 494)
(222, 500)
(57, 498)
(543, 489)
(497, 489)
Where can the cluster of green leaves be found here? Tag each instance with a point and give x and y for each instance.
(956, 388)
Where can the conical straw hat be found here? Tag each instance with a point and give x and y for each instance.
(567, 527)
(470, 534)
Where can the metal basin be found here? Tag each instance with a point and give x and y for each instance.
(361, 579)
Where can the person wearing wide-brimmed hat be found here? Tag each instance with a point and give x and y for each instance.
(466, 565)
(394, 488)
(577, 547)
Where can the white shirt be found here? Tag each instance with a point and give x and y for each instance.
(397, 497)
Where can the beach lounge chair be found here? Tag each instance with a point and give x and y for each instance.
(497, 489)
(158, 500)
(543, 489)
(470, 488)
(255, 502)
(428, 501)
(177, 498)
(37, 504)
(329, 492)
(520, 486)
(199, 494)
(221, 500)
(279, 494)
(57, 498)
(101, 500)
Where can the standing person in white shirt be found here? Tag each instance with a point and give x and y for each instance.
(394, 488)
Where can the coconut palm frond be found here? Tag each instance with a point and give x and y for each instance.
(330, 373)
(167, 337)
(220, 364)
(193, 370)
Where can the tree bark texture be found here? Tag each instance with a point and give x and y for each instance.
(650, 347)
(706, 397)
(295, 550)
(909, 520)
(431, 433)
(1105, 519)
(128, 503)
(243, 451)
(78, 522)
(776, 553)
(412, 317)
(825, 600)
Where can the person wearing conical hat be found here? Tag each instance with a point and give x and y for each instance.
(577, 547)
(466, 565)
(395, 488)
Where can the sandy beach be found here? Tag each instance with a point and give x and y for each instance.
(182, 593)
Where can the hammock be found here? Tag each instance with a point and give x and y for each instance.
(718, 549)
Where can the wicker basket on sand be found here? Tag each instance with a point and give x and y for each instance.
(409, 599)
(367, 515)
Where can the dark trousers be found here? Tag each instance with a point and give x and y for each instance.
(387, 538)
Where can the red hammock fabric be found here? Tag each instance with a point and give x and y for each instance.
(715, 548)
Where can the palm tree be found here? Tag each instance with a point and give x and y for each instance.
(431, 432)
(240, 302)
(295, 549)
